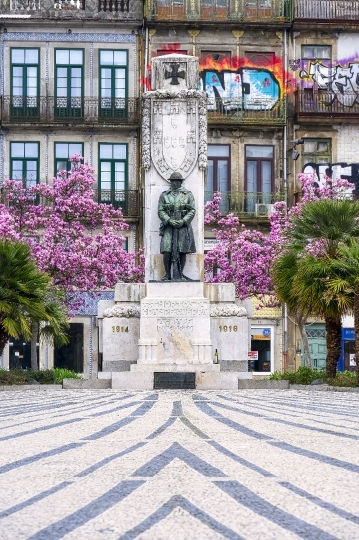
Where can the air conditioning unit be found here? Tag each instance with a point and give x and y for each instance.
(264, 210)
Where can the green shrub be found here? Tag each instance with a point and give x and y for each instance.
(344, 378)
(47, 376)
(62, 374)
(15, 376)
(305, 375)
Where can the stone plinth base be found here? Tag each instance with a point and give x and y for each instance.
(208, 380)
(175, 368)
(234, 365)
(117, 365)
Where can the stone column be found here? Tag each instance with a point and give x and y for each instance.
(174, 139)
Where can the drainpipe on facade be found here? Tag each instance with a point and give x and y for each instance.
(285, 186)
(146, 60)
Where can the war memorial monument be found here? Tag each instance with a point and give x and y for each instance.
(166, 332)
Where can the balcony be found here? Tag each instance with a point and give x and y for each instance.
(246, 111)
(246, 11)
(127, 200)
(326, 11)
(327, 104)
(78, 111)
(74, 9)
(250, 205)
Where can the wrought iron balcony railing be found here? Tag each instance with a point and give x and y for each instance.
(256, 11)
(246, 111)
(78, 9)
(327, 10)
(247, 204)
(52, 110)
(330, 103)
(127, 200)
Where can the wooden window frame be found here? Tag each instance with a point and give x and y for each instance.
(246, 159)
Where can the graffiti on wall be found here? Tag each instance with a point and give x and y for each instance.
(338, 82)
(241, 84)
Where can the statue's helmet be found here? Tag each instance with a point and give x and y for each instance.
(176, 176)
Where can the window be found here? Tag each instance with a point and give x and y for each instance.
(208, 57)
(261, 353)
(316, 52)
(113, 83)
(218, 174)
(316, 154)
(261, 59)
(259, 166)
(24, 82)
(69, 82)
(63, 152)
(113, 174)
(24, 162)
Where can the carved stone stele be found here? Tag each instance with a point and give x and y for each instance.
(227, 311)
(123, 311)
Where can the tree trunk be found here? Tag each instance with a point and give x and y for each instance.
(333, 329)
(34, 340)
(356, 330)
(4, 338)
(301, 320)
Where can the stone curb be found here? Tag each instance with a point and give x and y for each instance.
(264, 384)
(21, 387)
(89, 384)
(322, 388)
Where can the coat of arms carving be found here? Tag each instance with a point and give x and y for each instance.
(174, 134)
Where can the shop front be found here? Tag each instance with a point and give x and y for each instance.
(347, 355)
(260, 357)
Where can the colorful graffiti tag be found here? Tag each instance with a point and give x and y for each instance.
(339, 81)
(241, 84)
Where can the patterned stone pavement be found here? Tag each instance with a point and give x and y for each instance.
(179, 465)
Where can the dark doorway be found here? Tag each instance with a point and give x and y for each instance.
(20, 353)
(71, 356)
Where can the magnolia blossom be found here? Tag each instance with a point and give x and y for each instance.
(244, 257)
(75, 239)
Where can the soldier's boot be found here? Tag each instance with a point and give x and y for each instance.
(182, 264)
(167, 265)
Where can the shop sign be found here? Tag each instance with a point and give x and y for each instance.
(261, 337)
(252, 355)
(210, 243)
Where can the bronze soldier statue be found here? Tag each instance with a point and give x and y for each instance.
(176, 209)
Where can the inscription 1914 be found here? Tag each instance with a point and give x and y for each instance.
(174, 308)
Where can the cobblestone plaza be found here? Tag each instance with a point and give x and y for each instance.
(112, 465)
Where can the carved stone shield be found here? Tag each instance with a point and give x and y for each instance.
(174, 135)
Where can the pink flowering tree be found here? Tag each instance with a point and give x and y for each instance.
(245, 257)
(76, 240)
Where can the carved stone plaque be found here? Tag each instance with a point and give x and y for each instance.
(178, 381)
(174, 136)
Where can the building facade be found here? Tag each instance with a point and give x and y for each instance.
(70, 74)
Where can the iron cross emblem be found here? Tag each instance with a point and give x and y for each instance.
(174, 74)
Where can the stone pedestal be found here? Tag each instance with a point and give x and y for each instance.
(175, 327)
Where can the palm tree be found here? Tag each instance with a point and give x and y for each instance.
(27, 295)
(346, 281)
(323, 227)
(284, 272)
